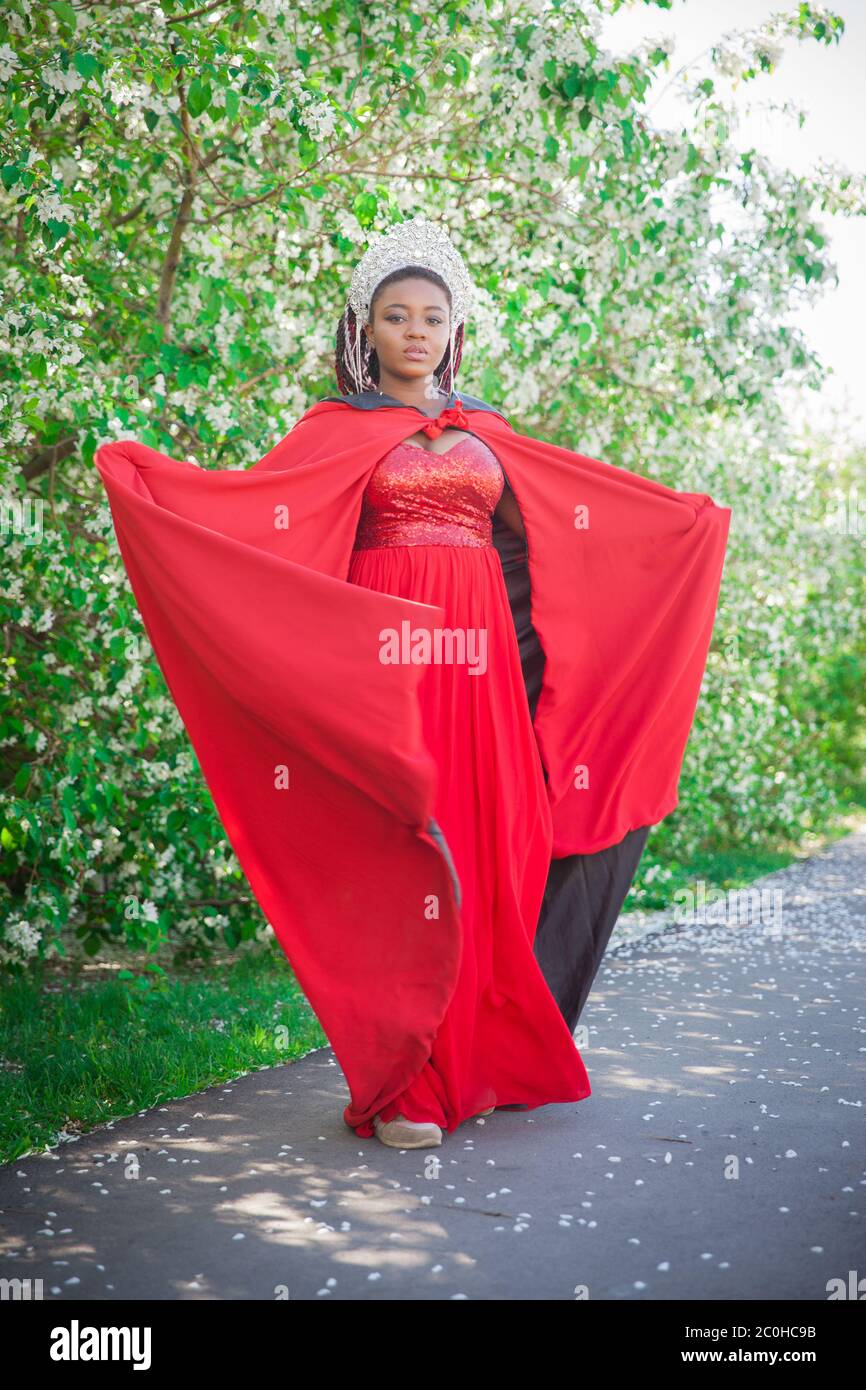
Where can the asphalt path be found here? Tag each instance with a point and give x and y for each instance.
(721, 1155)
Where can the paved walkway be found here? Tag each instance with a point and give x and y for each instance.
(720, 1156)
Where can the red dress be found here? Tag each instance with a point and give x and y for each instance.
(425, 533)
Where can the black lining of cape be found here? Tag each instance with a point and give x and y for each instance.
(378, 400)
(584, 893)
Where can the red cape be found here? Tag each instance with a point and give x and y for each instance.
(313, 749)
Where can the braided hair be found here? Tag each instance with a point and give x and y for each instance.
(348, 328)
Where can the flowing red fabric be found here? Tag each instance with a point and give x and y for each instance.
(314, 750)
(426, 534)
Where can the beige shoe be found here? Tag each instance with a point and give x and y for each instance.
(401, 1133)
(487, 1112)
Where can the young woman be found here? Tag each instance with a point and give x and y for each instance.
(439, 676)
(426, 533)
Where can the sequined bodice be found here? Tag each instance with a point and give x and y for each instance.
(418, 497)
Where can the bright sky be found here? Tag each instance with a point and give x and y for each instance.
(829, 82)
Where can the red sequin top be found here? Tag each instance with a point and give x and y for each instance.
(418, 497)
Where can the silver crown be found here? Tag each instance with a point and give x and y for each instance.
(414, 242)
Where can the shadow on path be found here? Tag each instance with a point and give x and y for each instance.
(720, 1156)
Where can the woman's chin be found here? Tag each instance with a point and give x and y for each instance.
(407, 370)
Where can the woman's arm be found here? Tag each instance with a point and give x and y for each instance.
(508, 511)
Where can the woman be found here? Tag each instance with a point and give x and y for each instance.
(426, 533)
(335, 626)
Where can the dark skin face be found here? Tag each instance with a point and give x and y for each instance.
(413, 313)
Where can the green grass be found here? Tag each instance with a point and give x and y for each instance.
(730, 869)
(80, 1047)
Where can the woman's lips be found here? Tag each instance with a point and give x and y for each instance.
(414, 352)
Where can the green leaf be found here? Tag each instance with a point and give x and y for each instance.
(65, 13)
(57, 230)
(523, 35)
(365, 206)
(86, 64)
(199, 96)
(573, 85)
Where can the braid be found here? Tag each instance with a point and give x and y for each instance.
(445, 380)
(344, 356)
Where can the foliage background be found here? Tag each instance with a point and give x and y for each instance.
(185, 189)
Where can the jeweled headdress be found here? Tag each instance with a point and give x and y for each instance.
(414, 242)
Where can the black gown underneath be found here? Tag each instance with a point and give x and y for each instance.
(585, 892)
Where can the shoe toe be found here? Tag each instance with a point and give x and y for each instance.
(401, 1133)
